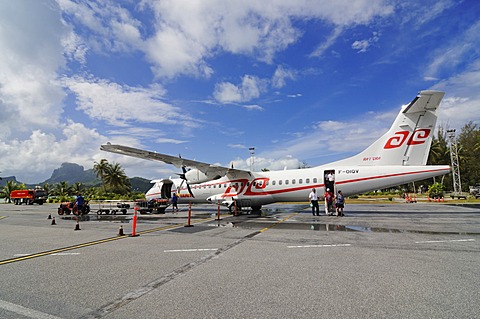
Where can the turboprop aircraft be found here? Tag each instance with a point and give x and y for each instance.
(398, 157)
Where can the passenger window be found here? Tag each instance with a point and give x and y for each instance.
(293, 181)
(286, 182)
(300, 181)
(307, 181)
(273, 182)
(315, 180)
(280, 182)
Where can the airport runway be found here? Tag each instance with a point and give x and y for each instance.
(380, 261)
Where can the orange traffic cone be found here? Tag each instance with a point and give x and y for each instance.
(77, 226)
(53, 221)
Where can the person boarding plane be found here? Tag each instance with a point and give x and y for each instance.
(398, 157)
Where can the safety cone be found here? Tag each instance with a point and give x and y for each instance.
(53, 221)
(120, 231)
(77, 226)
(49, 216)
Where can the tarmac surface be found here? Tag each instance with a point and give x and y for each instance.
(379, 261)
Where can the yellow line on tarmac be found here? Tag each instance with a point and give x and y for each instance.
(279, 222)
(96, 242)
(2, 217)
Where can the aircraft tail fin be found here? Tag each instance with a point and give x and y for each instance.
(408, 140)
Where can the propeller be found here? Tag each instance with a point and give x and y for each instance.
(184, 179)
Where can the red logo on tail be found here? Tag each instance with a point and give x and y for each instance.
(417, 137)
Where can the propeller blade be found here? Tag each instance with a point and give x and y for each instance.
(190, 191)
(184, 179)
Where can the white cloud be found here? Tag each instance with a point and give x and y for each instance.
(462, 99)
(363, 45)
(30, 56)
(123, 105)
(455, 52)
(240, 146)
(188, 33)
(41, 152)
(249, 89)
(110, 26)
(253, 107)
(281, 75)
(333, 140)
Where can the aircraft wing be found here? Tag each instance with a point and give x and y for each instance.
(207, 169)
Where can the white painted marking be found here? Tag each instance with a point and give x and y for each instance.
(320, 246)
(443, 241)
(20, 255)
(64, 254)
(188, 250)
(27, 312)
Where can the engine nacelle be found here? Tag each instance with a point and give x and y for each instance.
(194, 176)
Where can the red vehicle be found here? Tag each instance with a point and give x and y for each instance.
(69, 207)
(29, 196)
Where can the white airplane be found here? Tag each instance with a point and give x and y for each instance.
(398, 157)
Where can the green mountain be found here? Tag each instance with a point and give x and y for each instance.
(73, 173)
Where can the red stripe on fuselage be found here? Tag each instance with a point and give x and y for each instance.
(305, 187)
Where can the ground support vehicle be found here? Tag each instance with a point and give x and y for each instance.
(68, 208)
(458, 195)
(108, 207)
(29, 196)
(475, 191)
(155, 206)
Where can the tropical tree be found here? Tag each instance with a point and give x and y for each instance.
(47, 187)
(439, 152)
(78, 188)
(469, 154)
(116, 179)
(9, 187)
(62, 190)
(100, 169)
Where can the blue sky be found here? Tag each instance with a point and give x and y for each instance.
(301, 81)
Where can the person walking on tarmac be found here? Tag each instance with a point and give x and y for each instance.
(174, 203)
(313, 198)
(340, 203)
(329, 210)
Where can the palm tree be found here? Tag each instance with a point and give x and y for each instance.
(100, 170)
(8, 188)
(63, 190)
(116, 179)
(78, 187)
(47, 188)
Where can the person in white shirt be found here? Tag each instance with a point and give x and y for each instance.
(313, 197)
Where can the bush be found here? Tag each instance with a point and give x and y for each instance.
(436, 190)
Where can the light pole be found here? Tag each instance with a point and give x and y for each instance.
(252, 158)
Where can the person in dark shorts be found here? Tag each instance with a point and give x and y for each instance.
(339, 203)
